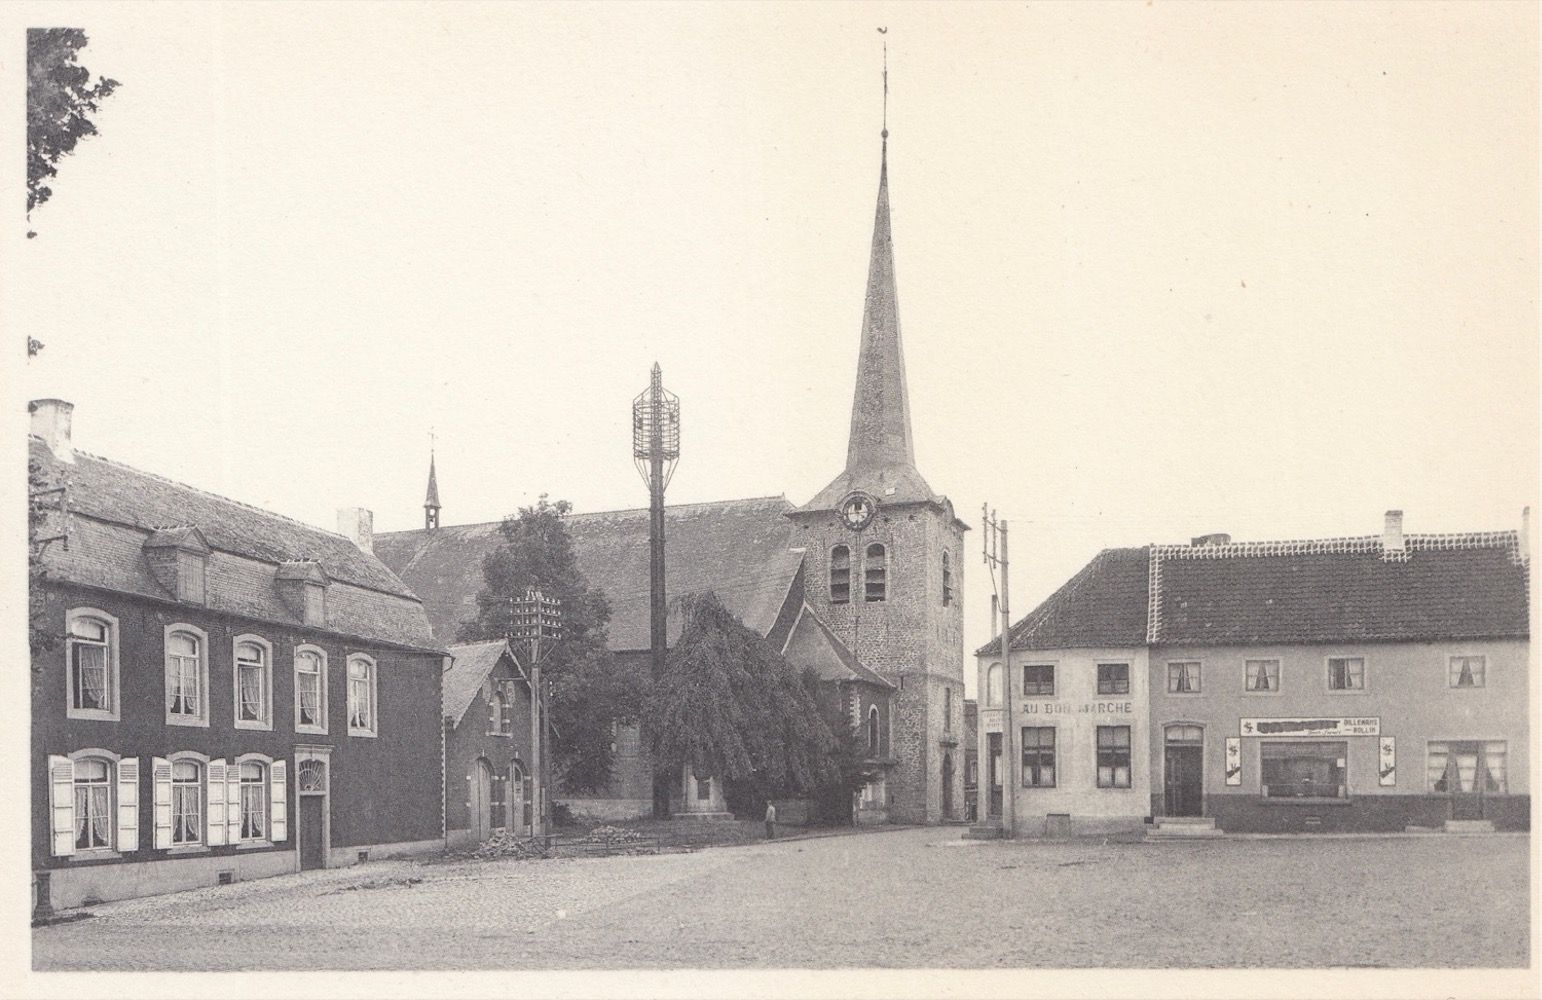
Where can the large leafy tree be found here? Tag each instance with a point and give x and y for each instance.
(42, 498)
(61, 98)
(730, 706)
(591, 689)
(851, 765)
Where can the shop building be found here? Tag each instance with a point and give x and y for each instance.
(220, 693)
(1374, 683)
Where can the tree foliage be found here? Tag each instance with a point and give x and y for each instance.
(728, 705)
(40, 637)
(590, 688)
(60, 101)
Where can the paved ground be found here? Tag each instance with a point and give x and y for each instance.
(908, 898)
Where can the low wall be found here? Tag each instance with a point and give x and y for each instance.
(609, 810)
(72, 887)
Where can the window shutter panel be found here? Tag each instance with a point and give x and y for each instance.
(61, 785)
(128, 804)
(233, 804)
(160, 774)
(214, 803)
(278, 802)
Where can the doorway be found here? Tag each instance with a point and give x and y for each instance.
(1183, 776)
(519, 783)
(947, 785)
(311, 782)
(481, 802)
(993, 766)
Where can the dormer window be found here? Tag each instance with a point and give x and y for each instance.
(179, 562)
(302, 583)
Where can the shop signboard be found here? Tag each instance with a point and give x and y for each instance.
(1312, 727)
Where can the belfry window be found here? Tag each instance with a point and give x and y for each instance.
(840, 575)
(947, 581)
(876, 574)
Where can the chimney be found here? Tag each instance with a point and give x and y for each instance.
(51, 422)
(359, 525)
(1215, 538)
(1392, 532)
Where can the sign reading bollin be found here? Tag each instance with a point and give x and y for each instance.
(1312, 727)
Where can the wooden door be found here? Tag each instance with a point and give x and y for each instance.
(993, 767)
(482, 801)
(947, 785)
(313, 831)
(1183, 780)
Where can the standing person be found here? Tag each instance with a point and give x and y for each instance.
(770, 820)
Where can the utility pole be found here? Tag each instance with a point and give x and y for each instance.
(655, 452)
(995, 546)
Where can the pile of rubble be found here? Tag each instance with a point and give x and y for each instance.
(613, 835)
(507, 845)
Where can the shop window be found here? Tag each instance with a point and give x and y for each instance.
(1113, 756)
(1183, 678)
(1039, 679)
(1113, 678)
(187, 676)
(310, 691)
(840, 575)
(91, 657)
(993, 685)
(1468, 671)
(253, 683)
(1038, 757)
(1261, 675)
(876, 574)
(1346, 673)
(1304, 770)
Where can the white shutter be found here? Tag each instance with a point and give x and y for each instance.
(61, 794)
(214, 802)
(160, 774)
(128, 804)
(278, 802)
(233, 804)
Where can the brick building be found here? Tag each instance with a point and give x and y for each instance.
(1370, 683)
(492, 750)
(232, 694)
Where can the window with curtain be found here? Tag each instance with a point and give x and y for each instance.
(876, 574)
(90, 676)
(1113, 678)
(184, 663)
(251, 683)
(840, 575)
(361, 696)
(1494, 768)
(1039, 679)
(186, 802)
(310, 691)
(1468, 671)
(1346, 673)
(1183, 678)
(254, 801)
(93, 804)
(1304, 770)
(1467, 766)
(1038, 757)
(1113, 756)
(1261, 675)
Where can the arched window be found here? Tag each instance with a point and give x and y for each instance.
(872, 730)
(254, 801)
(495, 714)
(947, 581)
(253, 683)
(187, 676)
(93, 804)
(310, 690)
(840, 575)
(91, 656)
(993, 684)
(876, 573)
(186, 802)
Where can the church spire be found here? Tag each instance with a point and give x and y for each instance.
(431, 500)
(880, 411)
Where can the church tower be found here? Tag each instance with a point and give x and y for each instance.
(884, 559)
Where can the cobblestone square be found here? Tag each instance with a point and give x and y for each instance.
(898, 899)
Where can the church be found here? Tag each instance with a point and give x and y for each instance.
(863, 583)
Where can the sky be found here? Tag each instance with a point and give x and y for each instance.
(1164, 269)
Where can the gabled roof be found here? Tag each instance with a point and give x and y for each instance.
(736, 548)
(812, 644)
(473, 662)
(113, 510)
(1438, 587)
